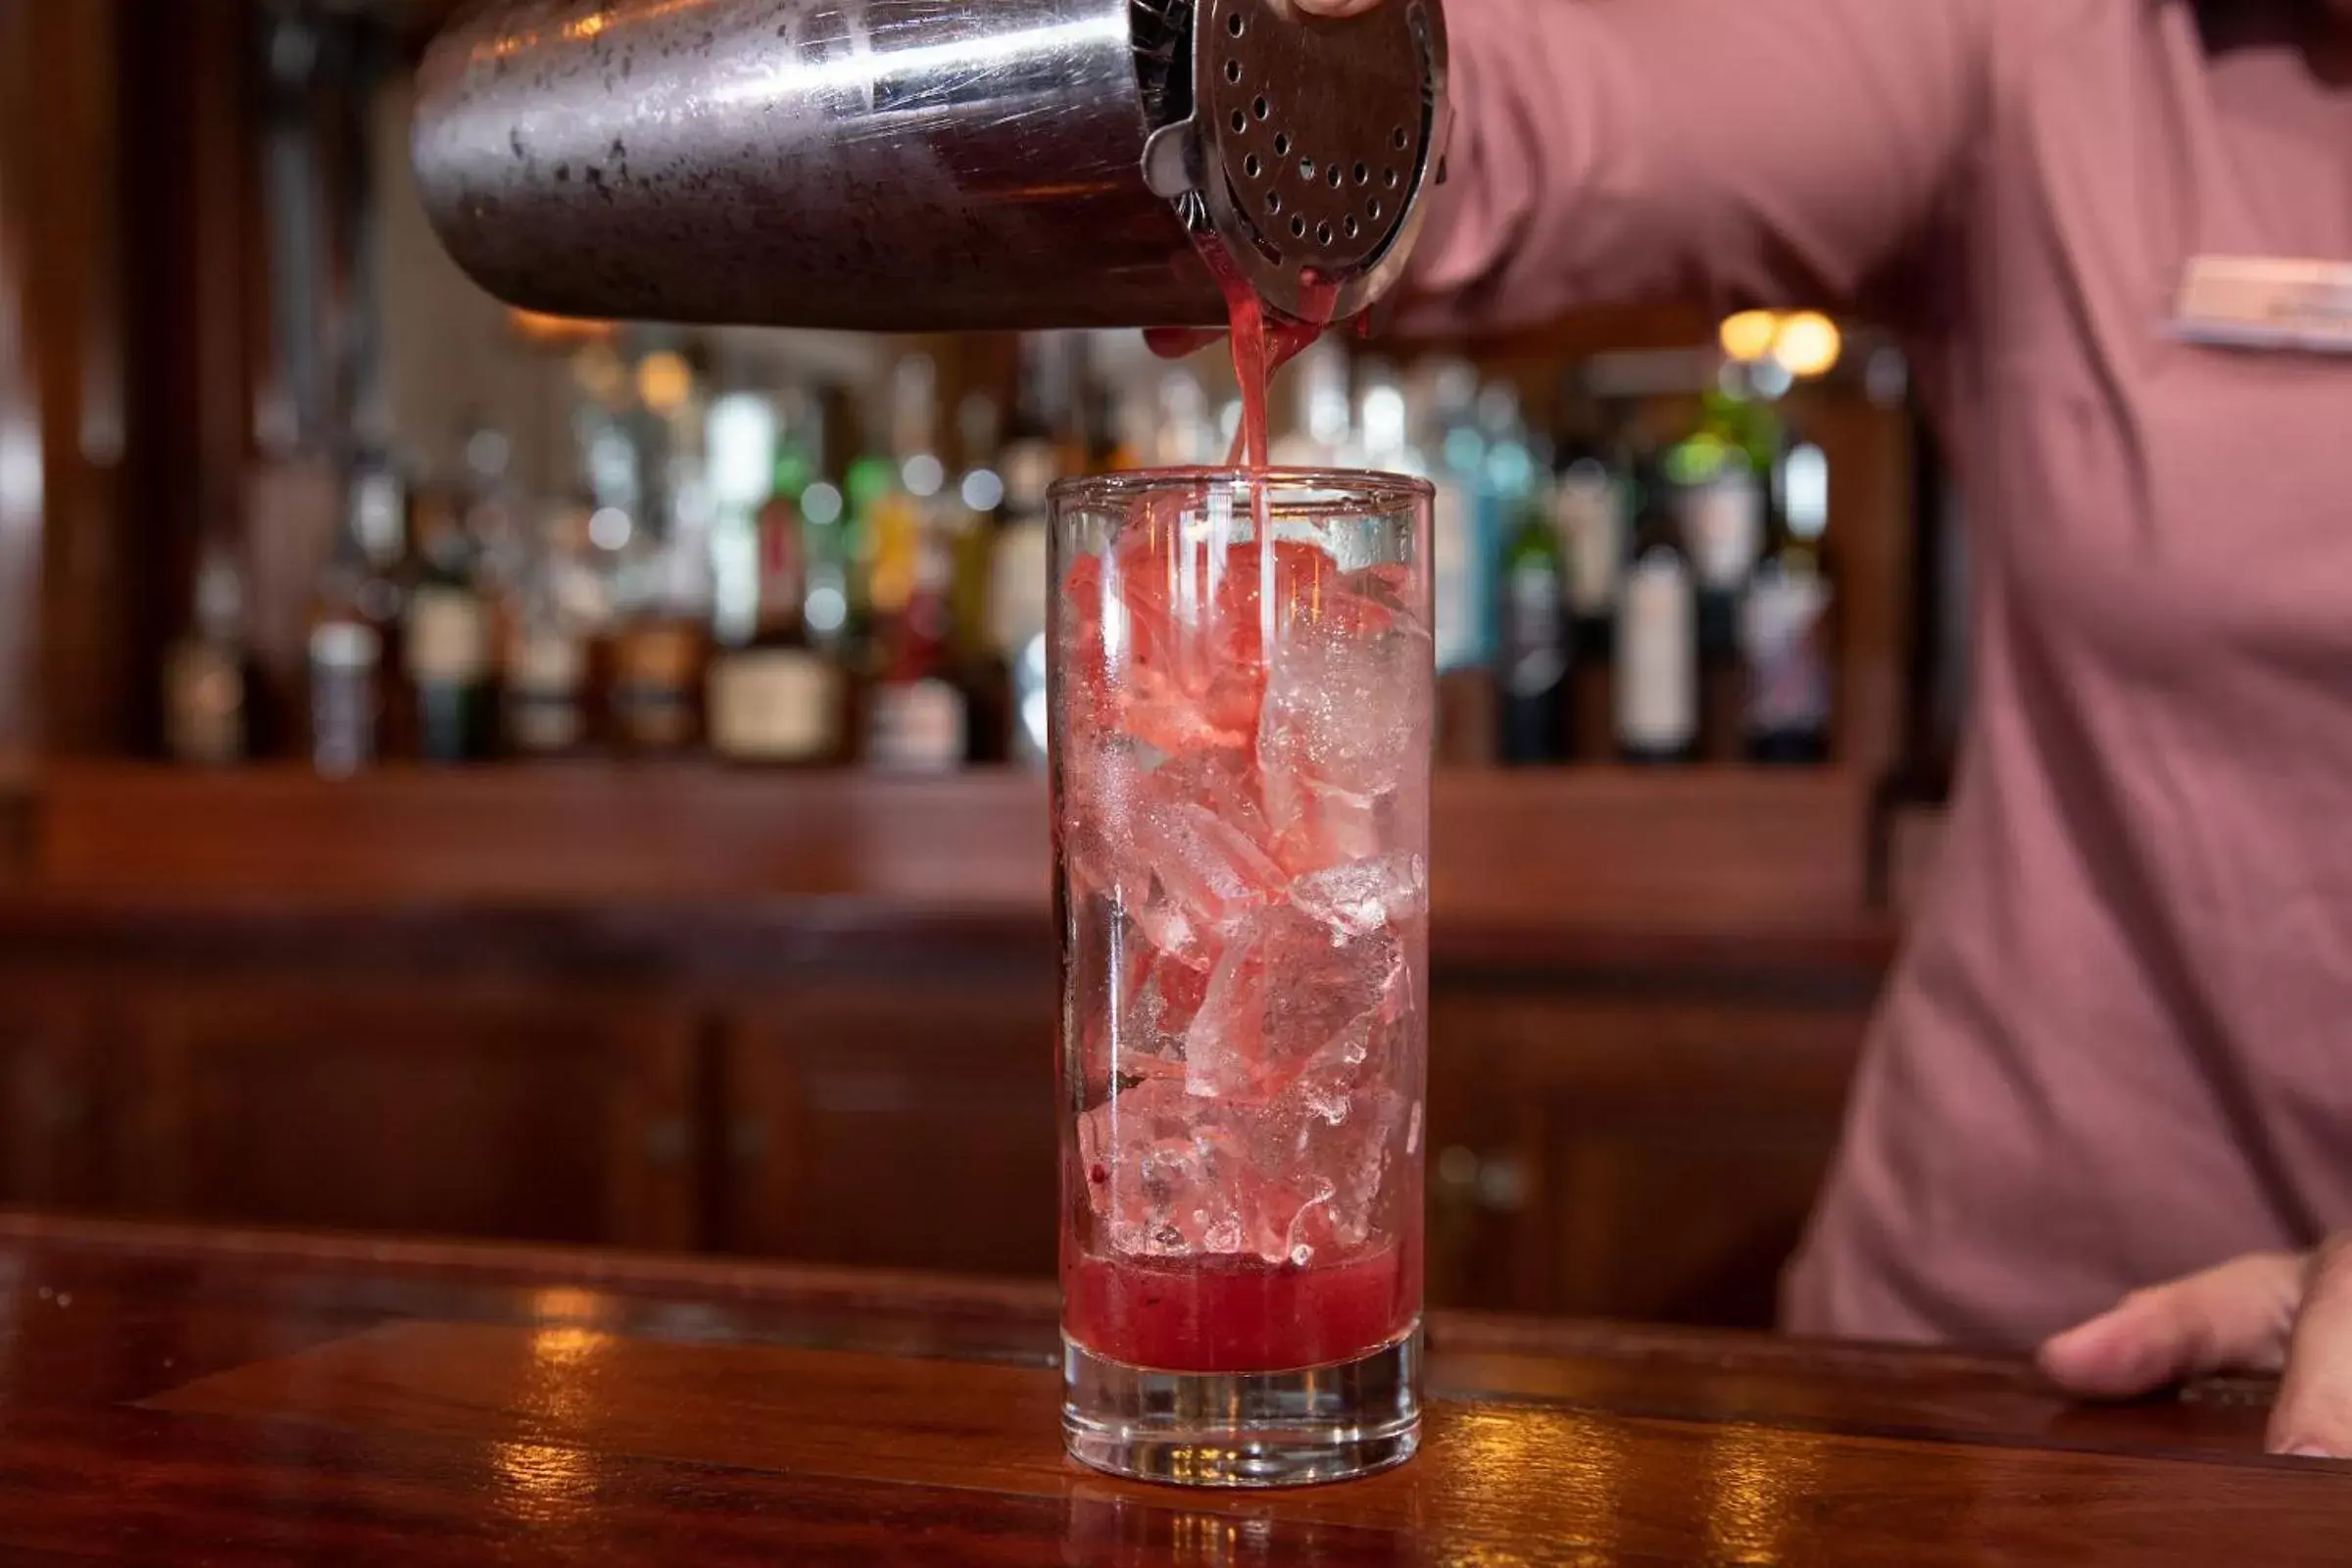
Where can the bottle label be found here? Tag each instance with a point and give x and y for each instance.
(344, 656)
(1536, 651)
(653, 718)
(779, 705)
(1017, 587)
(546, 662)
(1722, 528)
(542, 725)
(1657, 658)
(449, 637)
(1592, 521)
(1788, 667)
(916, 726)
(204, 705)
(660, 656)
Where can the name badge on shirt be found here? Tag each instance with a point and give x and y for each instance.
(2266, 302)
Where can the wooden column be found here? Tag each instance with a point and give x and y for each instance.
(195, 306)
(64, 676)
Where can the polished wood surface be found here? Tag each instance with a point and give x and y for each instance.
(178, 1395)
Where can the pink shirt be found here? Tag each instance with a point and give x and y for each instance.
(2119, 1044)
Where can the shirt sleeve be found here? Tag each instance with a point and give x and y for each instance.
(1742, 152)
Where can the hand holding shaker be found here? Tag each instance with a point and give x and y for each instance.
(1241, 666)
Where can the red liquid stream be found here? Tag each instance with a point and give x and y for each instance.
(1263, 342)
(1238, 1315)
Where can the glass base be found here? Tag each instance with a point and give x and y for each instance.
(1244, 1429)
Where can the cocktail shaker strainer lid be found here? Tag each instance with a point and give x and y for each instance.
(1303, 142)
(928, 165)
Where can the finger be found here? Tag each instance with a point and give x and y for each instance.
(1175, 342)
(2237, 1316)
(2314, 1413)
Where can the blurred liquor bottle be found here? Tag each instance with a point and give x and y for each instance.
(976, 526)
(207, 677)
(1019, 588)
(915, 715)
(355, 621)
(1533, 650)
(1043, 444)
(1657, 641)
(778, 701)
(1441, 400)
(547, 687)
(1321, 432)
(899, 512)
(1132, 412)
(1784, 621)
(1187, 435)
(1589, 507)
(662, 645)
(447, 642)
(1719, 474)
(1508, 483)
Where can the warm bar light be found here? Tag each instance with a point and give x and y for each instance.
(534, 327)
(1747, 336)
(1807, 345)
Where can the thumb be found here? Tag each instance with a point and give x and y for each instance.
(2235, 1316)
(2314, 1413)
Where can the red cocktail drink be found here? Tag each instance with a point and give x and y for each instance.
(1241, 697)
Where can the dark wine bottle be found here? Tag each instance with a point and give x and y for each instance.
(1533, 642)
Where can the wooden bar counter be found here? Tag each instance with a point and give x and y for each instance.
(178, 1395)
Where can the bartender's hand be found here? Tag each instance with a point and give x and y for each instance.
(2267, 1312)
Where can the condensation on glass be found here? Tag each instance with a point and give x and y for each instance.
(1241, 703)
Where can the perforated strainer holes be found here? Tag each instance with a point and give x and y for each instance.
(1399, 139)
(1298, 229)
(1261, 108)
(1281, 140)
(1363, 174)
(1241, 122)
(1235, 24)
(1391, 177)
(1372, 209)
(1273, 201)
(1332, 176)
(1349, 227)
(1251, 166)
(1233, 70)
(1323, 233)
(1306, 169)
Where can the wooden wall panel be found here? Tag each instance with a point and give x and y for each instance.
(49, 1094)
(381, 1105)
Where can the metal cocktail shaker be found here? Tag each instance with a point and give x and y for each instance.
(929, 165)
